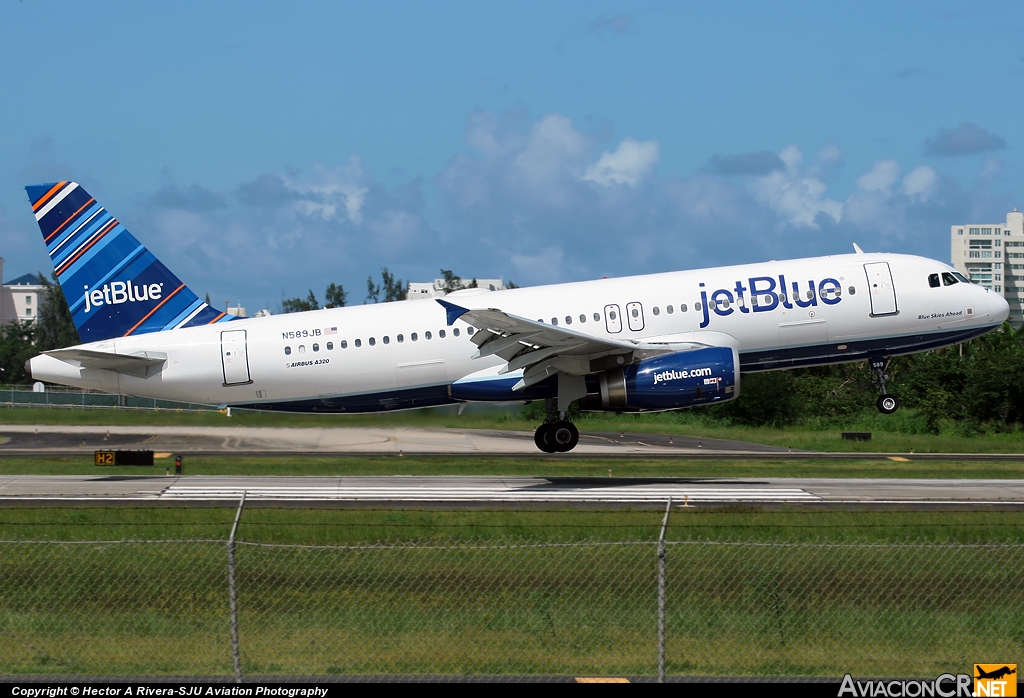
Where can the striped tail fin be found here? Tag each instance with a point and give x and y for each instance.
(114, 286)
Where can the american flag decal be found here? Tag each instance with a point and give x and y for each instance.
(330, 330)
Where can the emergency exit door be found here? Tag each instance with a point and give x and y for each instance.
(234, 358)
(881, 289)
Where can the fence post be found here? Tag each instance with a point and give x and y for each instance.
(232, 595)
(661, 593)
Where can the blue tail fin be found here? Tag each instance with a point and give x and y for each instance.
(114, 286)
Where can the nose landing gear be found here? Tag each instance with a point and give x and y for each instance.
(887, 403)
(557, 434)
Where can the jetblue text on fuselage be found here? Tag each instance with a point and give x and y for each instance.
(765, 293)
(118, 292)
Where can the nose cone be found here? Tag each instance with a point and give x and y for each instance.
(998, 308)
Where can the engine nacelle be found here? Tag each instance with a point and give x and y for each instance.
(667, 382)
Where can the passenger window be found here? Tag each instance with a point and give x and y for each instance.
(810, 295)
(344, 344)
(427, 334)
(316, 347)
(302, 348)
(597, 317)
(948, 279)
(470, 330)
(400, 338)
(359, 343)
(696, 306)
(455, 332)
(612, 315)
(441, 334)
(373, 341)
(554, 321)
(387, 340)
(413, 337)
(668, 309)
(568, 319)
(636, 313)
(933, 280)
(330, 346)
(655, 310)
(287, 351)
(852, 290)
(682, 307)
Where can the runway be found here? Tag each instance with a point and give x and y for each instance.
(34, 441)
(515, 491)
(38, 440)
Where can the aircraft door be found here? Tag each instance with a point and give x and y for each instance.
(881, 288)
(234, 358)
(612, 319)
(635, 316)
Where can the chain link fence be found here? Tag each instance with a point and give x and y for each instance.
(506, 607)
(57, 398)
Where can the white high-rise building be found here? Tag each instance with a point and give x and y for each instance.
(19, 298)
(992, 254)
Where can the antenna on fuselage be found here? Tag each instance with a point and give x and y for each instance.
(857, 249)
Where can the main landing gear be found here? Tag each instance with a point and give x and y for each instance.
(887, 402)
(557, 434)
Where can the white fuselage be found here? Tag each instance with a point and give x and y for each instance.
(381, 352)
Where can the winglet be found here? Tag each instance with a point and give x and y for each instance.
(857, 249)
(454, 311)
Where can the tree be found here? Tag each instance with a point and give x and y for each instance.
(452, 281)
(335, 296)
(372, 291)
(299, 305)
(16, 347)
(392, 288)
(54, 328)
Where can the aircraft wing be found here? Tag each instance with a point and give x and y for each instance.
(543, 350)
(141, 364)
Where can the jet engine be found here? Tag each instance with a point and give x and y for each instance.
(667, 382)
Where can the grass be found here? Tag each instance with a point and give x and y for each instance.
(899, 433)
(793, 593)
(544, 466)
(329, 526)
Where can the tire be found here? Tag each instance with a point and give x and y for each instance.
(564, 436)
(887, 404)
(542, 437)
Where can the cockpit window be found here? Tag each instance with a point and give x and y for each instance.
(948, 279)
(961, 277)
(933, 280)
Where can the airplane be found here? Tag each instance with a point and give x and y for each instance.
(633, 344)
(995, 673)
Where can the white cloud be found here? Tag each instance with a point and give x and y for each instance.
(631, 163)
(331, 191)
(798, 198)
(553, 150)
(831, 154)
(920, 183)
(881, 176)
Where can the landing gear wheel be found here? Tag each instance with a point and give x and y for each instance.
(887, 404)
(542, 437)
(563, 436)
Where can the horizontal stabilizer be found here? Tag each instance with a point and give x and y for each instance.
(141, 364)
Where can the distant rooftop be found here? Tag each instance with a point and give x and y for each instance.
(24, 280)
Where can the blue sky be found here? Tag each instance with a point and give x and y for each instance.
(262, 149)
